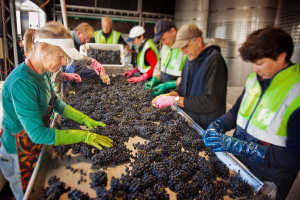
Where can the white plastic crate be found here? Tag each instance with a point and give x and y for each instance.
(84, 49)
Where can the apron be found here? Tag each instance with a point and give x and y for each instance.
(28, 152)
(56, 80)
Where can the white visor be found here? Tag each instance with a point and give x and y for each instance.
(66, 44)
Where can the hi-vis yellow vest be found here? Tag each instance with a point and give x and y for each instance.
(172, 61)
(141, 56)
(267, 113)
(112, 39)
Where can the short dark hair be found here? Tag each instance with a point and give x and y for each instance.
(268, 42)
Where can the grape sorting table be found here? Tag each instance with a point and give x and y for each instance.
(48, 166)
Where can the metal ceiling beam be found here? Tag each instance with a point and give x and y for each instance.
(115, 14)
(113, 17)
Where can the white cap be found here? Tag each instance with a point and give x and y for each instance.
(67, 44)
(135, 32)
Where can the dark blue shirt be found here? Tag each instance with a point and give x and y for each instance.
(286, 158)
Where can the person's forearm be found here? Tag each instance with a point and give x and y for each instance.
(178, 80)
(151, 59)
(84, 72)
(158, 77)
(180, 101)
(173, 93)
(85, 61)
(157, 71)
(59, 106)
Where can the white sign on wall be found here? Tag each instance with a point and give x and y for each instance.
(34, 20)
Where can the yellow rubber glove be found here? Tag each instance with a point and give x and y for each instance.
(63, 137)
(81, 118)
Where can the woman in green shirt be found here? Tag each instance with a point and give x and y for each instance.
(29, 99)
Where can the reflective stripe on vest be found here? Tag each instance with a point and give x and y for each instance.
(270, 112)
(141, 56)
(172, 61)
(112, 39)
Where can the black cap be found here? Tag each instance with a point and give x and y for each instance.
(162, 26)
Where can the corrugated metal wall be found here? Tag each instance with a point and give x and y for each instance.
(288, 18)
(191, 11)
(233, 20)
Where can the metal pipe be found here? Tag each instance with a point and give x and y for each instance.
(14, 31)
(107, 10)
(54, 11)
(5, 48)
(140, 3)
(98, 9)
(64, 13)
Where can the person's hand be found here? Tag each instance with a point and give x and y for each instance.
(71, 76)
(105, 79)
(90, 123)
(126, 51)
(161, 88)
(154, 81)
(97, 67)
(219, 125)
(129, 73)
(158, 97)
(138, 79)
(81, 118)
(163, 101)
(63, 137)
(97, 140)
(249, 150)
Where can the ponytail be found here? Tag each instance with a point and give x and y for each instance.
(28, 46)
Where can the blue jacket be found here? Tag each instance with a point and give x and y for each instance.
(205, 86)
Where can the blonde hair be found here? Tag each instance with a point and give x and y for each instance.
(85, 28)
(49, 30)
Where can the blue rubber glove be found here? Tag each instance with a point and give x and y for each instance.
(219, 125)
(249, 150)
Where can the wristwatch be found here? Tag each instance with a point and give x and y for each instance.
(176, 100)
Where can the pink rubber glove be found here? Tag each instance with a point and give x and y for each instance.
(71, 76)
(164, 101)
(129, 73)
(97, 66)
(138, 79)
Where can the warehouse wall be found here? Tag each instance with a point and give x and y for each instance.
(191, 11)
(233, 20)
(288, 18)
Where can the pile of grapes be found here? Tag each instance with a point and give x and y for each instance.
(105, 57)
(169, 158)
